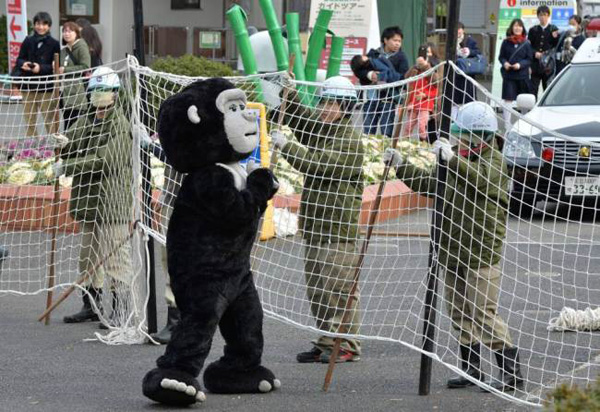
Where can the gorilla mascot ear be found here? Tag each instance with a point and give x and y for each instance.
(191, 127)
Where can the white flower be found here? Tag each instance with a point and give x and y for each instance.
(65, 181)
(21, 176)
(18, 166)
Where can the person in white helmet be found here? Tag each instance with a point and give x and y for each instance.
(97, 155)
(473, 230)
(323, 145)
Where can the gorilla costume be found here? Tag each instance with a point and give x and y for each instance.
(205, 130)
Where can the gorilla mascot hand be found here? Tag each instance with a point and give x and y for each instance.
(205, 130)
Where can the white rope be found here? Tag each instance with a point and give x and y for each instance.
(571, 319)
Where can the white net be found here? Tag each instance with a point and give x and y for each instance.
(68, 202)
(517, 225)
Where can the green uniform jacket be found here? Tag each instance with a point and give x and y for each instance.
(475, 207)
(98, 157)
(73, 93)
(330, 156)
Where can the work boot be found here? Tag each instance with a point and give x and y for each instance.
(510, 377)
(164, 336)
(470, 364)
(87, 313)
(311, 356)
(119, 310)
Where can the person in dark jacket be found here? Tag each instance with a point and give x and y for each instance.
(35, 60)
(373, 71)
(380, 108)
(543, 37)
(91, 37)
(571, 41)
(463, 91)
(516, 55)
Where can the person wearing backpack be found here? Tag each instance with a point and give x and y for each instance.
(543, 37)
(516, 56)
(74, 57)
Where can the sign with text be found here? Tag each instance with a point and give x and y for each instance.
(351, 18)
(16, 29)
(352, 47)
(561, 11)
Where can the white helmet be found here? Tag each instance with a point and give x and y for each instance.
(104, 78)
(476, 118)
(339, 87)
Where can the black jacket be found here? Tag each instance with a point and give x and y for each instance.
(541, 40)
(37, 49)
(471, 44)
(516, 53)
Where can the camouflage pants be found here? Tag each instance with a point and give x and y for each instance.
(472, 299)
(329, 271)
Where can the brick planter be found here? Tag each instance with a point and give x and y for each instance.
(29, 208)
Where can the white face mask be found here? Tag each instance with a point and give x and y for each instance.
(102, 99)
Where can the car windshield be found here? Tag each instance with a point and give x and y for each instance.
(578, 86)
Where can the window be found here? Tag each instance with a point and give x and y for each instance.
(71, 10)
(578, 86)
(185, 4)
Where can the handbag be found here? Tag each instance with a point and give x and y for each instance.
(474, 65)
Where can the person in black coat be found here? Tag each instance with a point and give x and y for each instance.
(543, 37)
(571, 41)
(516, 56)
(463, 91)
(35, 60)
(380, 109)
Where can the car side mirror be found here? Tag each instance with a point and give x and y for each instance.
(525, 102)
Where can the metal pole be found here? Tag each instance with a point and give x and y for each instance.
(139, 52)
(431, 294)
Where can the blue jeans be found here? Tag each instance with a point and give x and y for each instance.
(378, 113)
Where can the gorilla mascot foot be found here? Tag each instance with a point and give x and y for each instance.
(219, 378)
(172, 387)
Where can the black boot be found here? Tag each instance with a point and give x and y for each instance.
(510, 377)
(87, 313)
(164, 336)
(470, 364)
(119, 309)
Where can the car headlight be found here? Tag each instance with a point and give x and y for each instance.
(519, 146)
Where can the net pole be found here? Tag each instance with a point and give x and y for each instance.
(56, 198)
(140, 54)
(282, 108)
(432, 278)
(365, 245)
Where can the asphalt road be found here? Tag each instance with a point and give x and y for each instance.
(55, 368)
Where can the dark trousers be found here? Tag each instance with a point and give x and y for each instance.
(536, 78)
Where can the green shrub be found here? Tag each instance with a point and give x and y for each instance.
(159, 89)
(575, 399)
(192, 66)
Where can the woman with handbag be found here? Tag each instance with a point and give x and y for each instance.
(74, 58)
(463, 90)
(516, 57)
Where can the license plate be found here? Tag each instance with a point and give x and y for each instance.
(582, 186)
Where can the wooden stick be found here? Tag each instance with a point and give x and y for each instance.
(56, 198)
(371, 224)
(83, 277)
(282, 108)
(379, 233)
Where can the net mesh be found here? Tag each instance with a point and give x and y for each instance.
(517, 222)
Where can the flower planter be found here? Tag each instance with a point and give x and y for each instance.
(29, 207)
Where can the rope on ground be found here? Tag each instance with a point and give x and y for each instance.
(573, 320)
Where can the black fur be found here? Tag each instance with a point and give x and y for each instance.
(209, 240)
